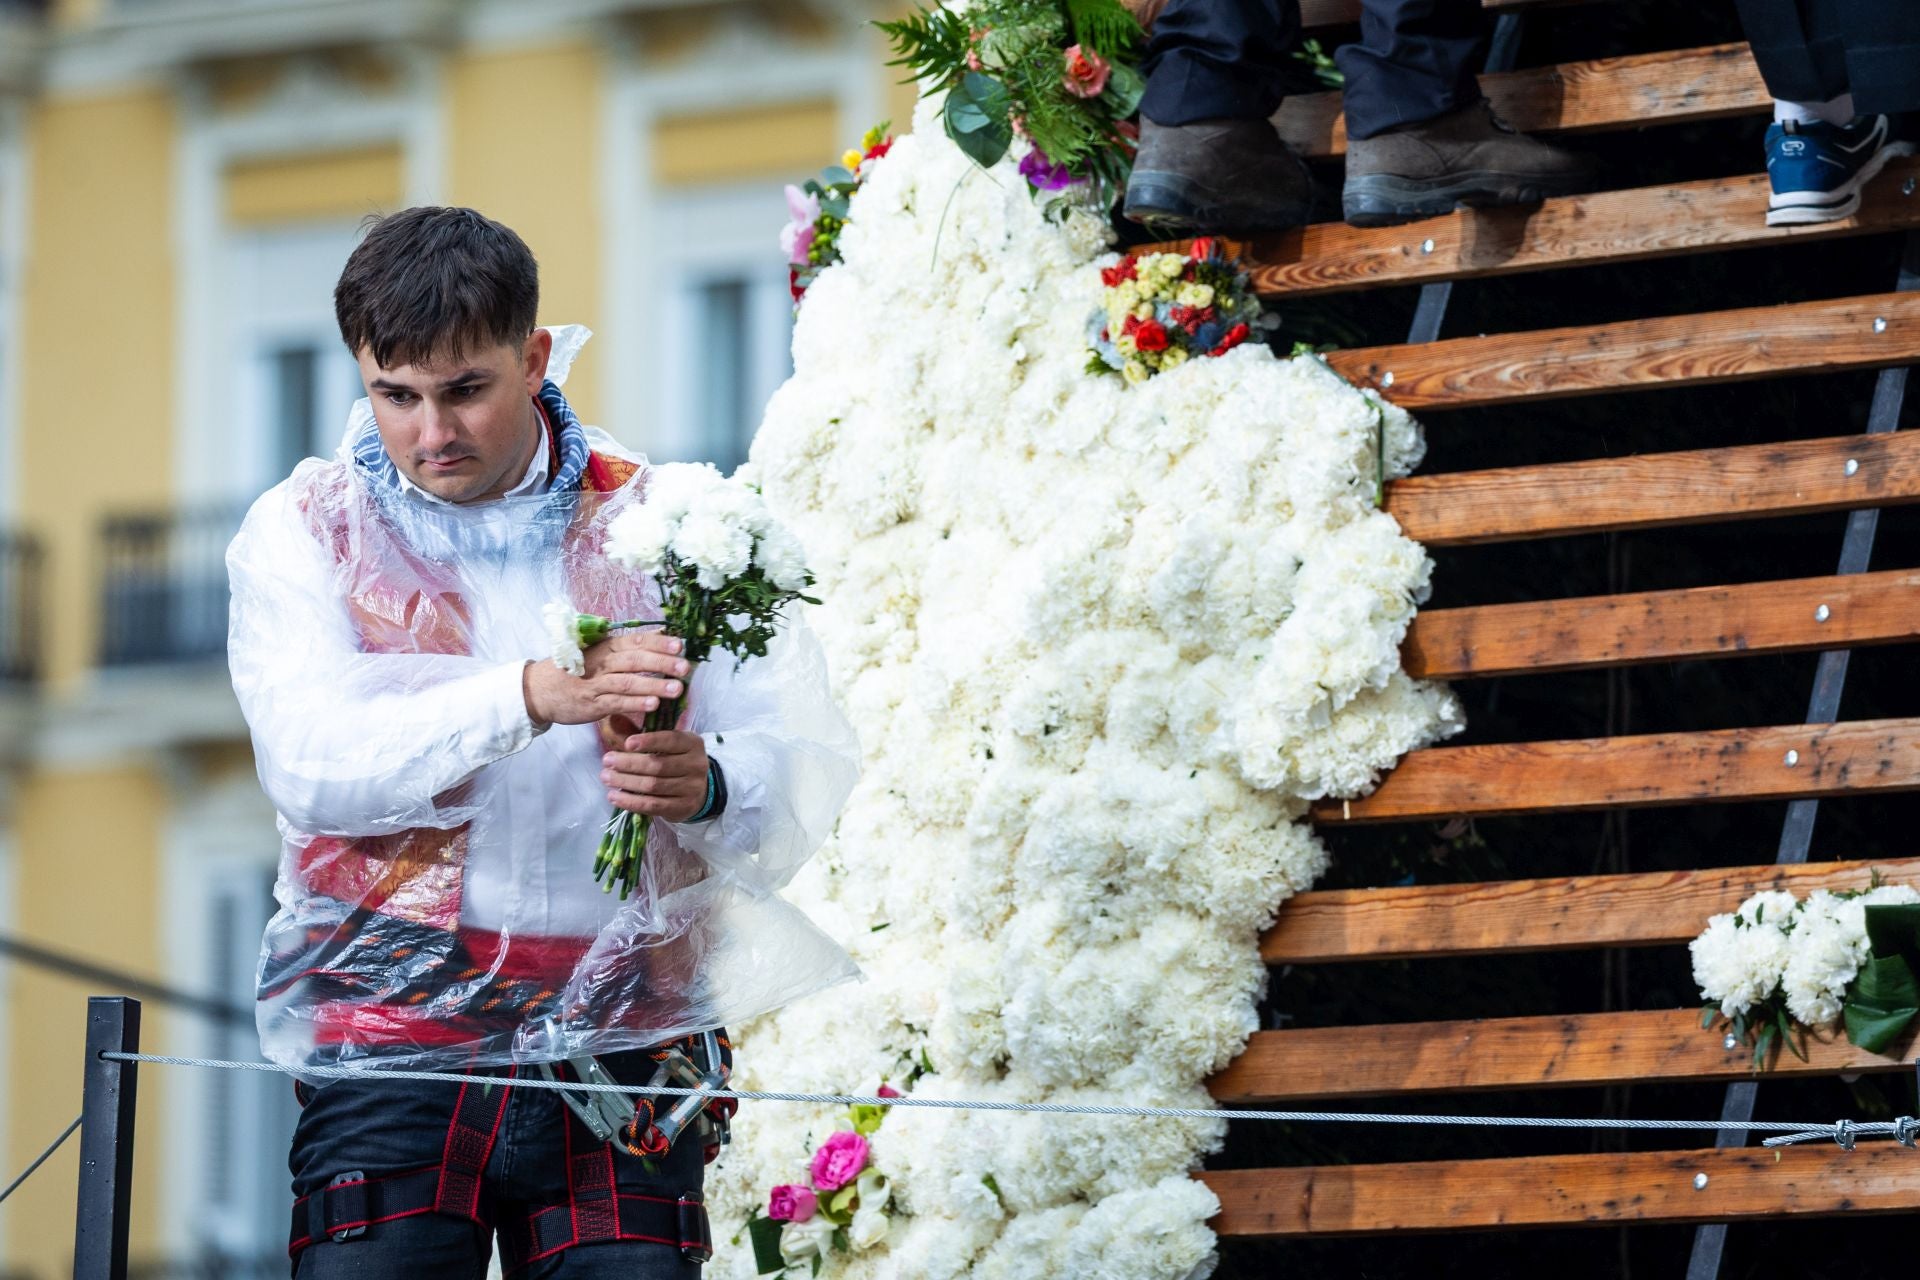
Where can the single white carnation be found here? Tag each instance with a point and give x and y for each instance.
(640, 538)
(563, 632)
(715, 548)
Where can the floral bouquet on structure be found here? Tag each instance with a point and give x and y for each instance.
(842, 1206)
(1780, 966)
(818, 210)
(726, 569)
(1163, 309)
(1058, 73)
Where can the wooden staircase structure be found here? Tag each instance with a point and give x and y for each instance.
(1398, 1064)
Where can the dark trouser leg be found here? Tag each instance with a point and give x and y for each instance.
(1816, 50)
(1416, 60)
(1218, 59)
(429, 1246)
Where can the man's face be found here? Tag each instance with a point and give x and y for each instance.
(461, 430)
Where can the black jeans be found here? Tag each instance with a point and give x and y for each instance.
(1816, 50)
(380, 1127)
(1213, 59)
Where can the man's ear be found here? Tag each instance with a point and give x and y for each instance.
(533, 360)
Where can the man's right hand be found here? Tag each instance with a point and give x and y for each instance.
(627, 675)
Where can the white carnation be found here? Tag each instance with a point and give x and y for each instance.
(714, 547)
(640, 537)
(563, 631)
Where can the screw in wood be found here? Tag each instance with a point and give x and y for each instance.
(1426, 246)
(1822, 614)
(1853, 466)
(1793, 758)
(1386, 379)
(1731, 1042)
(1699, 1182)
(1908, 187)
(1879, 324)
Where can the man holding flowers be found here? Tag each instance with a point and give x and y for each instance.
(444, 788)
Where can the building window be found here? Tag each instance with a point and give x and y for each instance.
(724, 329)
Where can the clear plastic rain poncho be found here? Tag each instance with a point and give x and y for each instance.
(437, 902)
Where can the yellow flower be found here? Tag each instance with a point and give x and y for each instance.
(1173, 357)
(851, 159)
(1134, 372)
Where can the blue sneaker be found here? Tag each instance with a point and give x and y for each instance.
(1817, 169)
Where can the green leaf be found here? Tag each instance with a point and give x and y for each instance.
(765, 1234)
(1126, 87)
(977, 120)
(840, 1240)
(839, 1208)
(987, 1180)
(836, 175)
(1707, 1013)
(1885, 996)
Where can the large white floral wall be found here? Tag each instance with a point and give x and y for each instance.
(1102, 645)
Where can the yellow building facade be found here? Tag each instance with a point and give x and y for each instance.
(180, 181)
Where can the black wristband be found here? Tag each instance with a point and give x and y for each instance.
(716, 790)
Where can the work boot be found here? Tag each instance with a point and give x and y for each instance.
(1471, 157)
(1217, 175)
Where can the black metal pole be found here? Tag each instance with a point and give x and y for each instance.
(106, 1140)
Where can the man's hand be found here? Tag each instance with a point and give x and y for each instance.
(663, 773)
(627, 675)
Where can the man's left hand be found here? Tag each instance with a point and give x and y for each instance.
(662, 773)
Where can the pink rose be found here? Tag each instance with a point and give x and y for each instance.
(790, 1203)
(1087, 73)
(886, 1091)
(838, 1160)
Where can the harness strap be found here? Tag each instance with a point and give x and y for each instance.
(550, 1229)
(470, 1138)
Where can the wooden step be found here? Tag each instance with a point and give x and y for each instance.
(1657, 626)
(1702, 486)
(1607, 226)
(1573, 1190)
(1562, 913)
(1669, 351)
(1576, 97)
(1515, 1053)
(1775, 763)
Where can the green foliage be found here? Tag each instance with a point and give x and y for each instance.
(1885, 995)
(929, 44)
(765, 1234)
(1321, 63)
(978, 118)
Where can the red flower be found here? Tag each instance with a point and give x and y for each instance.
(1121, 270)
(879, 149)
(1152, 336)
(794, 286)
(1235, 336)
(1201, 249)
(1130, 326)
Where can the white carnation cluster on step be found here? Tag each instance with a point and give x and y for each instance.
(1807, 951)
(1102, 644)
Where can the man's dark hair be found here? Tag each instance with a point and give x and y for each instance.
(431, 284)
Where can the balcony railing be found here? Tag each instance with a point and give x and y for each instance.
(164, 585)
(20, 585)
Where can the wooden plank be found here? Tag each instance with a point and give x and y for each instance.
(1562, 913)
(1606, 226)
(1677, 85)
(1515, 1053)
(1775, 763)
(1814, 1179)
(1668, 351)
(1650, 491)
(1789, 616)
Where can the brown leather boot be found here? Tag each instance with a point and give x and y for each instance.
(1217, 175)
(1471, 157)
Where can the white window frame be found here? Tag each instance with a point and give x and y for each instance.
(309, 113)
(742, 66)
(222, 839)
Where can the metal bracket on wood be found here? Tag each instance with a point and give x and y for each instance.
(1829, 682)
(106, 1140)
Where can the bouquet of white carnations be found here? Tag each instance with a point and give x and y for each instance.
(726, 569)
(1779, 963)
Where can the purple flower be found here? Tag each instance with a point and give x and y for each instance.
(1043, 174)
